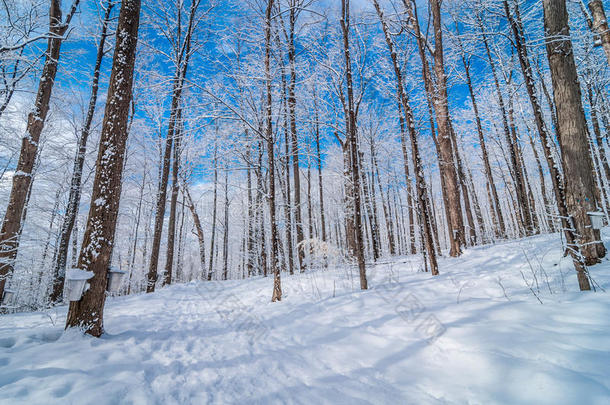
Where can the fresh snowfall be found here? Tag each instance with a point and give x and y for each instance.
(306, 202)
(501, 324)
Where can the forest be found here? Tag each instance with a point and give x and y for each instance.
(150, 146)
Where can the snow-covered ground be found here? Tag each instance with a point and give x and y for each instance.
(476, 334)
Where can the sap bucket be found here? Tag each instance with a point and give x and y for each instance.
(115, 276)
(76, 281)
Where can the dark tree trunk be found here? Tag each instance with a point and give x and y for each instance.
(514, 166)
(436, 89)
(214, 212)
(171, 226)
(472, 226)
(286, 192)
(580, 186)
(494, 201)
(183, 56)
(294, 145)
(600, 25)
(225, 236)
(98, 239)
(277, 286)
(420, 181)
(408, 181)
(352, 141)
(319, 163)
(77, 170)
(198, 228)
(22, 178)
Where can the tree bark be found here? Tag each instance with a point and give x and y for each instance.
(77, 170)
(171, 226)
(225, 236)
(408, 180)
(183, 55)
(294, 145)
(600, 25)
(198, 228)
(352, 141)
(420, 181)
(577, 164)
(214, 212)
(22, 178)
(436, 88)
(494, 201)
(514, 166)
(319, 164)
(277, 286)
(98, 239)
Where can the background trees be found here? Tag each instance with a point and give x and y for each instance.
(293, 128)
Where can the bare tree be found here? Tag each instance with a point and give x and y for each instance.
(579, 184)
(77, 171)
(422, 199)
(22, 178)
(352, 144)
(600, 25)
(98, 240)
(182, 55)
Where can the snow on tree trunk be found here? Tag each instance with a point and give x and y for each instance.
(98, 240)
(600, 25)
(77, 170)
(577, 164)
(22, 178)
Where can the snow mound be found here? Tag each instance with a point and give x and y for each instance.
(501, 324)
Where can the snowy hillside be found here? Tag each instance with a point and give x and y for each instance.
(477, 333)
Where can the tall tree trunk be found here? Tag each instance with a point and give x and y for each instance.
(494, 201)
(319, 163)
(348, 208)
(225, 236)
(545, 199)
(251, 216)
(472, 226)
(98, 241)
(420, 181)
(137, 229)
(180, 259)
(294, 145)
(214, 212)
(287, 196)
(598, 133)
(171, 226)
(408, 181)
(386, 211)
(373, 199)
(475, 200)
(514, 166)
(277, 286)
(580, 193)
(198, 228)
(514, 18)
(369, 208)
(309, 203)
(352, 142)
(436, 89)
(22, 178)
(77, 170)
(183, 51)
(600, 25)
